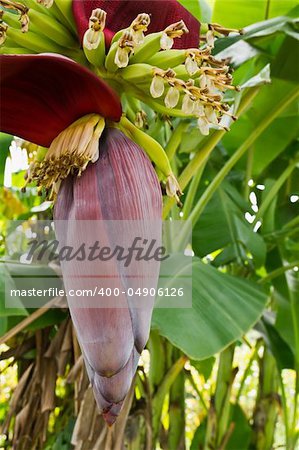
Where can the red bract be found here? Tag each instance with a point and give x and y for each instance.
(120, 13)
(121, 186)
(41, 95)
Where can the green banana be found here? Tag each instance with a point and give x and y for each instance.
(4, 50)
(182, 73)
(110, 58)
(65, 8)
(158, 105)
(12, 20)
(167, 58)
(138, 26)
(151, 147)
(118, 35)
(150, 46)
(51, 28)
(137, 73)
(44, 25)
(96, 56)
(156, 154)
(33, 4)
(33, 41)
(120, 52)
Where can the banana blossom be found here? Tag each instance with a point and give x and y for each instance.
(94, 171)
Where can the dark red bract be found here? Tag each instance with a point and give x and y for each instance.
(120, 13)
(41, 95)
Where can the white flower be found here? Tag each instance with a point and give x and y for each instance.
(92, 39)
(203, 125)
(157, 87)
(188, 105)
(191, 65)
(166, 42)
(210, 38)
(211, 115)
(172, 97)
(121, 57)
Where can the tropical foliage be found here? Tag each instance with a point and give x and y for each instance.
(223, 374)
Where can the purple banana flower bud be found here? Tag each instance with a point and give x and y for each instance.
(121, 186)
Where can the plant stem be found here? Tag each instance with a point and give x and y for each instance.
(277, 272)
(225, 378)
(266, 410)
(176, 431)
(292, 223)
(197, 390)
(188, 203)
(175, 140)
(285, 409)
(219, 414)
(248, 171)
(163, 389)
(246, 372)
(35, 315)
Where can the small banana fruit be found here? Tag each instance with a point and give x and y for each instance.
(96, 56)
(167, 59)
(137, 73)
(156, 41)
(65, 8)
(46, 25)
(94, 39)
(110, 58)
(33, 41)
(41, 25)
(120, 52)
(14, 50)
(137, 28)
(156, 154)
(150, 46)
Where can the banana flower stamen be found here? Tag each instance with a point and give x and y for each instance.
(46, 3)
(125, 49)
(139, 26)
(19, 8)
(3, 29)
(69, 153)
(176, 30)
(92, 37)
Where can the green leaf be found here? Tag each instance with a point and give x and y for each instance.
(204, 367)
(240, 13)
(263, 77)
(260, 33)
(14, 275)
(222, 224)
(276, 344)
(199, 9)
(289, 69)
(241, 436)
(6, 283)
(277, 135)
(224, 308)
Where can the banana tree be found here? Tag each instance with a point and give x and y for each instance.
(109, 100)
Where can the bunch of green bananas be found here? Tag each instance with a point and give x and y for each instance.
(175, 83)
(32, 27)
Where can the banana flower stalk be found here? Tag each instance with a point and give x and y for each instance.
(93, 159)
